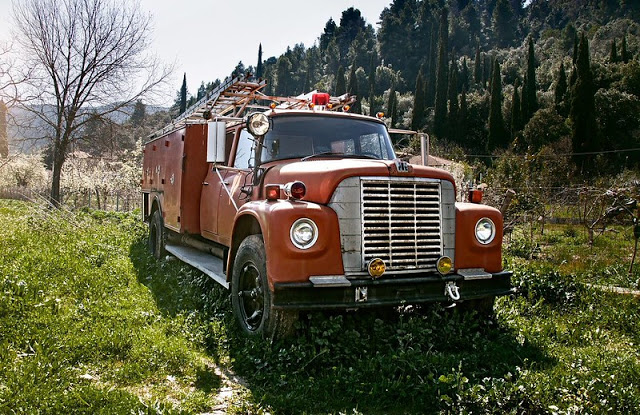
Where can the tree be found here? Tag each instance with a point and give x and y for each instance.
(341, 87)
(4, 139)
(613, 54)
(503, 23)
(624, 53)
(417, 118)
(583, 112)
(442, 82)
(138, 115)
(453, 115)
(392, 106)
(497, 134)
(87, 55)
(529, 89)
(477, 67)
(560, 91)
(183, 95)
(352, 89)
(516, 115)
(283, 75)
(260, 66)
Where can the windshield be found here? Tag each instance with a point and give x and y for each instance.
(300, 136)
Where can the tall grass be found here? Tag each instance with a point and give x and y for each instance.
(90, 323)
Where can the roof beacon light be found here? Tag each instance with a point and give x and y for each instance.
(475, 196)
(320, 98)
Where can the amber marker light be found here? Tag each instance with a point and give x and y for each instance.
(272, 191)
(475, 196)
(272, 105)
(380, 114)
(444, 265)
(346, 108)
(376, 267)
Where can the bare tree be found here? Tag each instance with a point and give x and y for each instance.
(89, 58)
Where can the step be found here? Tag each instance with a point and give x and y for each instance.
(207, 263)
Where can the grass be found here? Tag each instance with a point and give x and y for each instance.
(90, 323)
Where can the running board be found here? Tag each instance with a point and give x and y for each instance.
(207, 263)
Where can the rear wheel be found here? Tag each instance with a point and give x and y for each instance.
(251, 297)
(157, 236)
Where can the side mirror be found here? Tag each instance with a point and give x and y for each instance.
(216, 141)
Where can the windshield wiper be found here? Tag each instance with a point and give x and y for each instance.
(337, 154)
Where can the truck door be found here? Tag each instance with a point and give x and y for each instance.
(212, 191)
(222, 190)
(237, 188)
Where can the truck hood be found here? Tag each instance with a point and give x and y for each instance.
(321, 177)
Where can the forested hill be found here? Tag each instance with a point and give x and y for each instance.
(568, 71)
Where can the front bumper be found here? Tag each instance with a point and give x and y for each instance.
(389, 291)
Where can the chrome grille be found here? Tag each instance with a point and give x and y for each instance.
(401, 223)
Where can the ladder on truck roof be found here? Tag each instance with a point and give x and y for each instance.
(235, 95)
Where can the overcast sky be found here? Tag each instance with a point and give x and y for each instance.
(207, 38)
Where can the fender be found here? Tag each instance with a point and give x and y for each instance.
(469, 252)
(286, 263)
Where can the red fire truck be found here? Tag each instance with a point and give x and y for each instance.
(301, 205)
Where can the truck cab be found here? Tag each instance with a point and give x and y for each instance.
(305, 208)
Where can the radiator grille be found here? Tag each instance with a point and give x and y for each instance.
(401, 223)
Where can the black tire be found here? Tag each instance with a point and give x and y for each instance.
(157, 236)
(251, 297)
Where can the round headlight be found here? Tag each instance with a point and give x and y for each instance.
(304, 233)
(258, 124)
(485, 231)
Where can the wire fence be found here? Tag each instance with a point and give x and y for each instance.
(116, 201)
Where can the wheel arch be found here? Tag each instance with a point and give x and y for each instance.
(245, 225)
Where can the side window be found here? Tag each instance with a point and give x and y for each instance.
(244, 153)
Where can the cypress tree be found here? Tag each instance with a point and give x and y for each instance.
(624, 53)
(462, 116)
(4, 139)
(183, 94)
(430, 92)
(392, 106)
(613, 54)
(516, 116)
(442, 83)
(560, 91)
(453, 115)
(372, 84)
(352, 89)
(477, 67)
(341, 87)
(575, 47)
(583, 112)
(259, 67)
(529, 94)
(417, 118)
(464, 75)
(497, 135)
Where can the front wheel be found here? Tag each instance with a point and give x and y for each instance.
(251, 296)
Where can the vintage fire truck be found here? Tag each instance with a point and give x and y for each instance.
(296, 204)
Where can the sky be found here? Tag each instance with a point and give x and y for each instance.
(207, 38)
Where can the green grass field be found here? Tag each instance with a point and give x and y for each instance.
(90, 323)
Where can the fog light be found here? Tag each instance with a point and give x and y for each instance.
(444, 265)
(376, 267)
